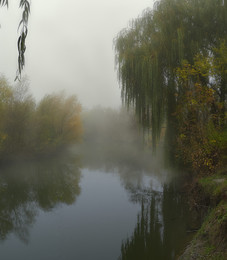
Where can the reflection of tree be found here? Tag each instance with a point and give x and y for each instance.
(161, 228)
(56, 183)
(26, 186)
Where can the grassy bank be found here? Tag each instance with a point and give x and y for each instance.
(210, 241)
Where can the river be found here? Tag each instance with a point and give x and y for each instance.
(86, 206)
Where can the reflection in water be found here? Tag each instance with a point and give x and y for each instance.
(161, 228)
(27, 186)
(99, 215)
(162, 224)
(119, 178)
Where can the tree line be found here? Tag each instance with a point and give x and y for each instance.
(172, 67)
(27, 127)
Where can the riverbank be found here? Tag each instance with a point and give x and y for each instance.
(209, 194)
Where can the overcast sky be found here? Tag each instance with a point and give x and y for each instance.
(69, 46)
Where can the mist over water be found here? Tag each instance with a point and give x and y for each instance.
(109, 196)
(105, 198)
(114, 138)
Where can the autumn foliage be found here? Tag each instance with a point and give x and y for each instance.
(199, 113)
(30, 127)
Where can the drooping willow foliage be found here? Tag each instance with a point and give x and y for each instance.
(23, 30)
(155, 44)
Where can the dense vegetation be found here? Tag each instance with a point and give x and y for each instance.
(172, 66)
(30, 128)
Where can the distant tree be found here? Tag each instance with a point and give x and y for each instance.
(6, 95)
(16, 112)
(27, 127)
(58, 121)
(19, 119)
(23, 31)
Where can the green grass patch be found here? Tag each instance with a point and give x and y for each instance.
(210, 242)
(215, 187)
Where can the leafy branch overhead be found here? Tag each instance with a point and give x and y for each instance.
(23, 31)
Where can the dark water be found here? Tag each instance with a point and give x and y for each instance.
(89, 207)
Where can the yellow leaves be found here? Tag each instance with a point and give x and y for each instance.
(58, 120)
(3, 137)
(203, 65)
(26, 126)
(198, 113)
(193, 102)
(208, 163)
(220, 62)
(182, 136)
(213, 65)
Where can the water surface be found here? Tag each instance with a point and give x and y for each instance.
(72, 207)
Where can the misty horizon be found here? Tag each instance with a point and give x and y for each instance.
(69, 47)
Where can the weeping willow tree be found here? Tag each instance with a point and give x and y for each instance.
(23, 31)
(155, 44)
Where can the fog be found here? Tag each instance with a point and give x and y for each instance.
(69, 46)
(115, 142)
